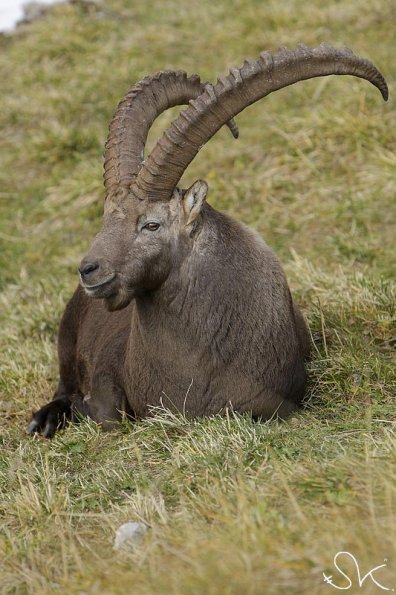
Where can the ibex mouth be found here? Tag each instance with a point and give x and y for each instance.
(98, 289)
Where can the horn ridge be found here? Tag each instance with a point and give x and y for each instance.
(243, 86)
(134, 116)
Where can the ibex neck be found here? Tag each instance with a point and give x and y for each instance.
(196, 307)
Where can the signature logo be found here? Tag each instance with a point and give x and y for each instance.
(361, 579)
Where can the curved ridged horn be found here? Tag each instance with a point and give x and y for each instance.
(135, 114)
(243, 86)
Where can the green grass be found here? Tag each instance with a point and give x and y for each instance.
(233, 507)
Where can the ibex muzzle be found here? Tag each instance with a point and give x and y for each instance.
(192, 308)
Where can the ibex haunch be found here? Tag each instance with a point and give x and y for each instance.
(192, 308)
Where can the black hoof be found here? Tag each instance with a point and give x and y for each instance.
(50, 418)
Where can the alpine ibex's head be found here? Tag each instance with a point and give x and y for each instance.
(142, 236)
(148, 222)
(139, 243)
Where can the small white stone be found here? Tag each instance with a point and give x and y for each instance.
(129, 534)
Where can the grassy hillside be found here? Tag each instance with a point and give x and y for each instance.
(233, 507)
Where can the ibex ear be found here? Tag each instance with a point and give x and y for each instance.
(193, 200)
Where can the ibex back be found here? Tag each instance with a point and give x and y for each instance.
(192, 310)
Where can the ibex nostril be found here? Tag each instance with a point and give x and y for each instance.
(88, 268)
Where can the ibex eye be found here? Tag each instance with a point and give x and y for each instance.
(152, 226)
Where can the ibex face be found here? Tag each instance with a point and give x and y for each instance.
(139, 244)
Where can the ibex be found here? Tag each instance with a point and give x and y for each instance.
(191, 309)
